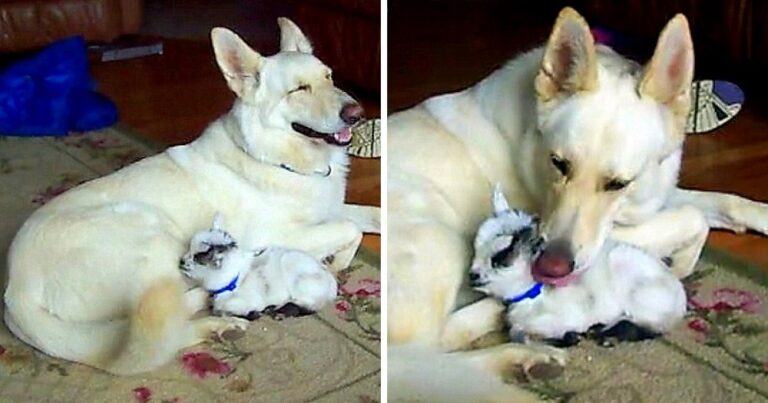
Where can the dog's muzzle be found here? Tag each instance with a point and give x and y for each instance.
(351, 114)
(554, 265)
(341, 138)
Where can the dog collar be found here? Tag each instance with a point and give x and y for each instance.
(229, 287)
(531, 293)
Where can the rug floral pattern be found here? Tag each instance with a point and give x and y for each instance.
(718, 354)
(332, 356)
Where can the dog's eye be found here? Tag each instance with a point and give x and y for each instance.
(561, 164)
(616, 184)
(303, 87)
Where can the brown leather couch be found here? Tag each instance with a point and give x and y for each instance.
(36, 23)
(346, 35)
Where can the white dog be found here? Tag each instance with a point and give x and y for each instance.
(242, 282)
(623, 284)
(93, 275)
(584, 138)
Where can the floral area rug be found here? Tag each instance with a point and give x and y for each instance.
(332, 356)
(718, 354)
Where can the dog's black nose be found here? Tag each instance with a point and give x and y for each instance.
(351, 113)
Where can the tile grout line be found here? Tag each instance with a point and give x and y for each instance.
(346, 336)
(62, 150)
(346, 385)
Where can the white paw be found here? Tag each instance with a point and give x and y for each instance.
(543, 354)
(743, 214)
(229, 323)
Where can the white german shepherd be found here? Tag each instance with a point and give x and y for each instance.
(94, 274)
(574, 132)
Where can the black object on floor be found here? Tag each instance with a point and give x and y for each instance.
(289, 310)
(623, 331)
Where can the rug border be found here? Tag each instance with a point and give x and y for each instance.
(368, 256)
(728, 261)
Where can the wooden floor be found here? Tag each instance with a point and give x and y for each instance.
(440, 47)
(171, 98)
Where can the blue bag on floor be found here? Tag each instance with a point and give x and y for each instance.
(52, 93)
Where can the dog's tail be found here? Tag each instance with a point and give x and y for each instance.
(156, 329)
(418, 374)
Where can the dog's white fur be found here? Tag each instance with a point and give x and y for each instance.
(624, 283)
(269, 276)
(93, 274)
(609, 117)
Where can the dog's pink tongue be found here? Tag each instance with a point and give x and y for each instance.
(553, 268)
(556, 281)
(343, 136)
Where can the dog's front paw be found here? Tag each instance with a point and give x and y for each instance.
(511, 361)
(543, 354)
(740, 214)
(218, 325)
(750, 214)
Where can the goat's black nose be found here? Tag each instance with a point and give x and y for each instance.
(474, 277)
(351, 113)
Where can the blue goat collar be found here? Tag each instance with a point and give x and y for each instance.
(531, 293)
(229, 287)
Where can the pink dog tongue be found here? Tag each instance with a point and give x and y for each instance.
(556, 281)
(553, 267)
(343, 136)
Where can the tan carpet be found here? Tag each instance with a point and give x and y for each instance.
(718, 354)
(332, 356)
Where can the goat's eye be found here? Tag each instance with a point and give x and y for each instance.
(200, 257)
(303, 87)
(506, 256)
(328, 77)
(204, 257)
(561, 164)
(615, 184)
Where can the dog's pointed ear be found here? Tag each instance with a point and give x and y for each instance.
(291, 37)
(668, 75)
(569, 63)
(500, 204)
(239, 63)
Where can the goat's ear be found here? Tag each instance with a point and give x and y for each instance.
(218, 221)
(291, 37)
(667, 78)
(569, 63)
(500, 204)
(501, 242)
(239, 63)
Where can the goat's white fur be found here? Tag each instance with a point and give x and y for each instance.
(265, 277)
(624, 283)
